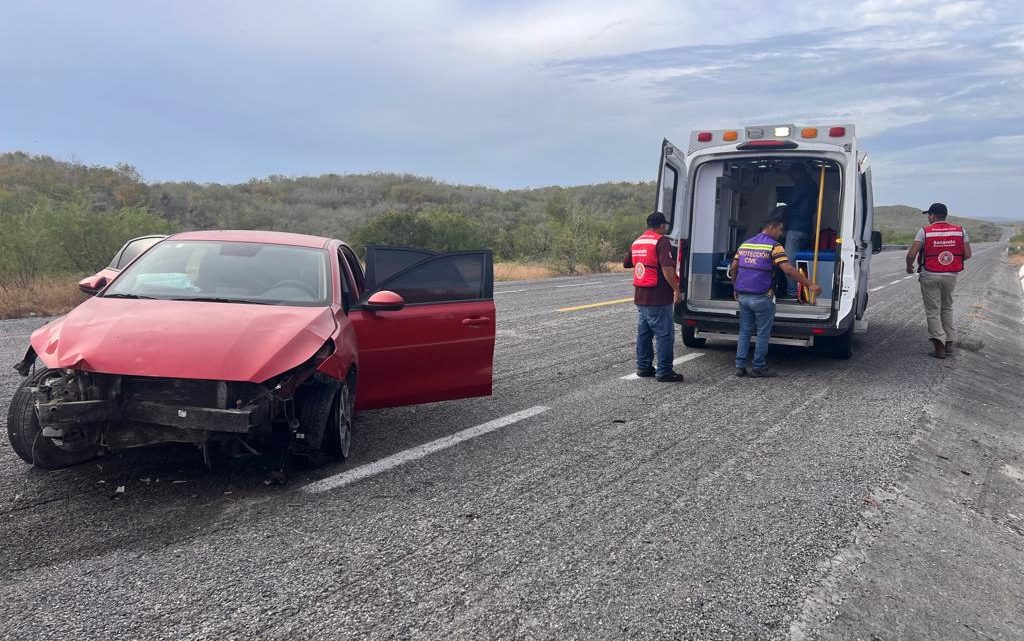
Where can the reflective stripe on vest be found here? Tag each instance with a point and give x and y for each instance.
(943, 249)
(645, 259)
(754, 265)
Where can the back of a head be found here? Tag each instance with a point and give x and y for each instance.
(776, 217)
(655, 220)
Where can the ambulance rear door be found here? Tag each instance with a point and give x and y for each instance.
(672, 201)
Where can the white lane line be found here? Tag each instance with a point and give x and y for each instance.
(909, 276)
(896, 281)
(511, 291)
(405, 456)
(678, 361)
(595, 282)
(875, 289)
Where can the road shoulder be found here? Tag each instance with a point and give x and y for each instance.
(941, 555)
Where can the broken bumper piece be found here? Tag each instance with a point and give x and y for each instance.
(237, 421)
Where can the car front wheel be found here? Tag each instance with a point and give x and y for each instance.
(26, 435)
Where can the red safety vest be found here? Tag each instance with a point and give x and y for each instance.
(943, 248)
(645, 259)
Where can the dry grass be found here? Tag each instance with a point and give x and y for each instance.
(537, 271)
(49, 296)
(1017, 260)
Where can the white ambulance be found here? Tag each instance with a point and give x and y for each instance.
(716, 192)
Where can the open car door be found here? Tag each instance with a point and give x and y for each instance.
(384, 262)
(440, 344)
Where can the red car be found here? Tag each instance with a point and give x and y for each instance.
(239, 340)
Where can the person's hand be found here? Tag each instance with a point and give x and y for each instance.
(677, 297)
(910, 270)
(815, 288)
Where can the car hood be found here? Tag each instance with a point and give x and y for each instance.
(184, 339)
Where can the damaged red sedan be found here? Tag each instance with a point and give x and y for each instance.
(240, 341)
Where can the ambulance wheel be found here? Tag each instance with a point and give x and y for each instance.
(690, 337)
(840, 347)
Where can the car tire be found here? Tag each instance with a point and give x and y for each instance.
(337, 441)
(690, 337)
(840, 347)
(26, 437)
(325, 416)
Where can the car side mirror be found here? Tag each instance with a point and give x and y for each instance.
(384, 301)
(92, 285)
(876, 242)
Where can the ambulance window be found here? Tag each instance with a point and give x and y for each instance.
(667, 197)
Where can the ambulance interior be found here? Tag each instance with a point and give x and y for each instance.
(731, 198)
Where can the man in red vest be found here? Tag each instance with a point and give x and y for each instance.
(940, 249)
(656, 291)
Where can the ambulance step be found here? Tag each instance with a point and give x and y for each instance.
(774, 340)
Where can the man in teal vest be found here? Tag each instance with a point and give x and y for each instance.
(753, 271)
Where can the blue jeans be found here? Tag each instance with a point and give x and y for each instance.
(795, 241)
(756, 311)
(654, 321)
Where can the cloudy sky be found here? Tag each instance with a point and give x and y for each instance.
(515, 94)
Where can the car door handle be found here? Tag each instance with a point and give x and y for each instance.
(475, 321)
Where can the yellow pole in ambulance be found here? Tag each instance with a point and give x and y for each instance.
(817, 232)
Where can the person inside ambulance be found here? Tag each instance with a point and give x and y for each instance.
(656, 291)
(799, 216)
(940, 250)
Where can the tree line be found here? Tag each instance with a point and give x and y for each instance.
(60, 217)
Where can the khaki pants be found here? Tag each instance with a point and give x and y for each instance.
(937, 292)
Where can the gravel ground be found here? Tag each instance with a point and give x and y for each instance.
(715, 509)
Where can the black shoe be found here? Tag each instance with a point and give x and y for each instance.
(645, 373)
(741, 371)
(672, 377)
(762, 373)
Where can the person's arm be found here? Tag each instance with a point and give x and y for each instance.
(733, 268)
(668, 268)
(797, 275)
(673, 281)
(627, 262)
(915, 249)
(967, 246)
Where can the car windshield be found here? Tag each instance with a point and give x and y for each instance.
(227, 272)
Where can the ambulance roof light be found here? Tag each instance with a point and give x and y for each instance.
(730, 135)
(837, 132)
(809, 132)
(704, 136)
(781, 132)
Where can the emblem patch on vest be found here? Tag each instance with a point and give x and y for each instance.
(638, 271)
(946, 258)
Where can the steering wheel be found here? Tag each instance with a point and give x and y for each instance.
(298, 284)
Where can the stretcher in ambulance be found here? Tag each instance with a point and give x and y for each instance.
(716, 192)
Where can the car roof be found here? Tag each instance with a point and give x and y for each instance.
(254, 236)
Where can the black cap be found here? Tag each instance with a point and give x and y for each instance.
(938, 209)
(657, 219)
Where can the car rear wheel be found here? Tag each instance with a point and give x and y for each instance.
(26, 436)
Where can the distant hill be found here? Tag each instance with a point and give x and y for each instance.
(58, 216)
(899, 225)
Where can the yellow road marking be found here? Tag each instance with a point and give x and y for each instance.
(591, 305)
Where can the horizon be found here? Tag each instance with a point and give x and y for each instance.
(516, 95)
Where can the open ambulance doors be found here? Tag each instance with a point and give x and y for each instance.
(724, 203)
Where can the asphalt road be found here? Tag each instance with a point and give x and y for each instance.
(720, 508)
